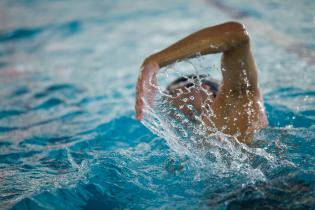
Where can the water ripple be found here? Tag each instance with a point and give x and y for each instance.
(67, 29)
(52, 102)
(68, 137)
(9, 113)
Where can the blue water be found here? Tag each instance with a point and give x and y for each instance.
(68, 137)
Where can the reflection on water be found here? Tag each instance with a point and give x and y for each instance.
(68, 137)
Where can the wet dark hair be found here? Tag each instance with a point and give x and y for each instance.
(191, 80)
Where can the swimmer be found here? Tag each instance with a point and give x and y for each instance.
(236, 103)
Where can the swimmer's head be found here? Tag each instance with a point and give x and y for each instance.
(192, 90)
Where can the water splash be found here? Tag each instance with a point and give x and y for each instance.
(207, 148)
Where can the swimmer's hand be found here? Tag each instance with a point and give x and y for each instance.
(146, 87)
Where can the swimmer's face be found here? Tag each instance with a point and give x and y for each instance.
(191, 100)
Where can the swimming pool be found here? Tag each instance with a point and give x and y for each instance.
(68, 137)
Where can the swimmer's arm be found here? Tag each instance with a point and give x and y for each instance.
(215, 39)
(231, 39)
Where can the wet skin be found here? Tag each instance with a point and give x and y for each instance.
(237, 108)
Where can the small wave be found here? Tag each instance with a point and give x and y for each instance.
(68, 90)
(20, 91)
(45, 140)
(66, 29)
(20, 34)
(9, 113)
(50, 103)
(277, 193)
(4, 129)
(281, 116)
(289, 92)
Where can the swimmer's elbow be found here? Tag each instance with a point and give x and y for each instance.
(239, 31)
(148, 60)
(233, 25)
(151, 59)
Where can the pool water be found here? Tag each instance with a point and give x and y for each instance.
(68, 136)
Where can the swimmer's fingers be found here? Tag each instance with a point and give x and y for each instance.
(146, 87)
